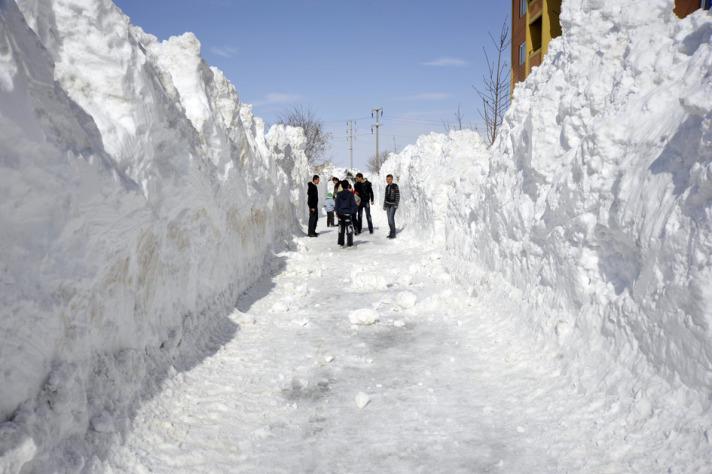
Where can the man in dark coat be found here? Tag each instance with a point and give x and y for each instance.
(390, 204)
(365, 191)
(345, 209)
(313, 203)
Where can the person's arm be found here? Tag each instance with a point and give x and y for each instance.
(396, 193)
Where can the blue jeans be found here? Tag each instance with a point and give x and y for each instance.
(391, 211)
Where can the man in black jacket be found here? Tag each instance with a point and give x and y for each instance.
(390, 204)
(365, 191)
(313, 203)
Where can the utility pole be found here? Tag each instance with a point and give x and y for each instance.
(378, 111)
(350, 132)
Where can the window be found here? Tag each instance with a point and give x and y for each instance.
(523, 53)
(535, 33)
(522, 7)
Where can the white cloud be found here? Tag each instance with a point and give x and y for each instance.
(224, 51)
(447, 62)
(427, 96)
(279, 98)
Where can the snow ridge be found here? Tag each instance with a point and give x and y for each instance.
(595, 203)
(139, 197)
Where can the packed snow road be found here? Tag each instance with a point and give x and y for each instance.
(300, 382)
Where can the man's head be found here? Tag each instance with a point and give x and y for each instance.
(389, 179)
(315, 179)
(359, 177)
(346, 185)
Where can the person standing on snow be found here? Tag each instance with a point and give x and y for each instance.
(365, 190)
(345, 210)
(313, 203)
(337, 183)
(390, 204)
(354, 218)
(329, 206)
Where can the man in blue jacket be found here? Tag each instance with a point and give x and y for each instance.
(345, 209)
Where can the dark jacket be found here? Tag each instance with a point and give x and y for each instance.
(312, 196)
(392, 196)
(345, 203)
(365, 191)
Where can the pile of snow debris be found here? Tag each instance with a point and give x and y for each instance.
(139, 196)
(594, 206)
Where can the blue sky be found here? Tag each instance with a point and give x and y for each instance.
(417, 59)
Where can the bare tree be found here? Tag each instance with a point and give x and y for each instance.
(374, 165)
(317, 137)
(459, 117)
(495, 85)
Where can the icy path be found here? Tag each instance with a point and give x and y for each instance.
(454, 389)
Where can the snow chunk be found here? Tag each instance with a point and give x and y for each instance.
(103, 423)
(362, 400)
(16, 448)
(406, 299)
(363, 317)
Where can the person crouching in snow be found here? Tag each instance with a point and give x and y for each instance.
(345, 209)
(329, 205)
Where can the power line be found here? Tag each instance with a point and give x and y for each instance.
(422, 121)
(358, 119)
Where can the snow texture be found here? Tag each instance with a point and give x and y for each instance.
(140, 197)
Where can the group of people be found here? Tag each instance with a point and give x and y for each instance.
(348, 204)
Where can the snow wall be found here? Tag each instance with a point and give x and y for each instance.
(139, 199)
(595, 202)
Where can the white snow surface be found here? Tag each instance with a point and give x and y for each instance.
(139, 199)
(459, 388)
(594, 205)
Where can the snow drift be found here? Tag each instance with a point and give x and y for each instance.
(596, 200)
(139, 198)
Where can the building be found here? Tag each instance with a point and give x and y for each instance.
(685, 7)
(536, 22)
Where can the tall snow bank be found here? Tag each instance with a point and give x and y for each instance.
(596, 199)
(139, 199)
